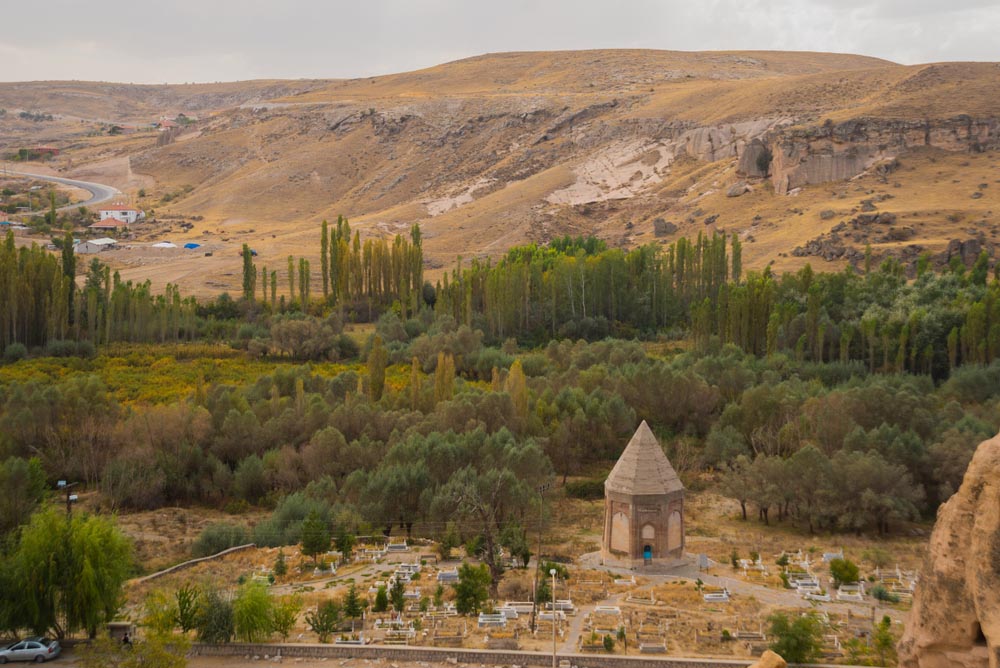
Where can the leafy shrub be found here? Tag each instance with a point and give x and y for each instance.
(585, 489)
(218, 537)
(253, 610)
(844, 571)
(65, 348)
(15, 352)
(249, 482)
(883, 594)
(796, 639)
(284, 527)
(215, 623)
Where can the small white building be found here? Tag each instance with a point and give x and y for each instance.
(94, 246)
(122, 213)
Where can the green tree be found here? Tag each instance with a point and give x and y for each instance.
(280, 567)
(503, 490)
(543, 592)
(397, 595)
(324, 259)
(188, 601)
(23, 485)
(797, 640)
(253, 613)
(345, 542)
(215, 619)
(844, 571)
(286, 611)
(381, 600)
(472, 588)
(515, 539)
(69, 271)
(159, 613)
(438, 596)
(249, 274)
(352, 603)
(69, 573)
(884, 642)
(516, 386)
(315, 536)
(324, 620)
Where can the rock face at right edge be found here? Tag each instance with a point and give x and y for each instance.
(955, 621)
(769, 659)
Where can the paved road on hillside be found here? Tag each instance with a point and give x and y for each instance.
(98, 191)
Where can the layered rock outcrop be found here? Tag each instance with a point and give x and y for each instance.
(955, 621)
(834, 152)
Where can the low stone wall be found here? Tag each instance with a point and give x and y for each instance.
(192, 562)
(462, 656)
(441, 655)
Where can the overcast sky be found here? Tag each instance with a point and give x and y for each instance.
(222, 40)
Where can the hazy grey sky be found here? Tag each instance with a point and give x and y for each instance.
(221, 40)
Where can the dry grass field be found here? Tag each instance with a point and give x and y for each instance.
(503, 149)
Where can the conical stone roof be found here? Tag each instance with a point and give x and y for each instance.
(643, 468)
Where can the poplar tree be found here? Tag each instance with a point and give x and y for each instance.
(324, 259)
(377, 358)
(249, 274)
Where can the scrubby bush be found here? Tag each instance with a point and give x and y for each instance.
(218, 537)
(284, 527)
(215, 622)
(15, 352)
(585, 489)
(879, 592)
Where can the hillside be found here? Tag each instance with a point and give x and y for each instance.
(501, 149)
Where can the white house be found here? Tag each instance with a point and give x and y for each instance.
(94, 246)
(121, 212)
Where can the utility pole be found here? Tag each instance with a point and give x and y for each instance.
(70, 498)
(541, 489)
(552, 572)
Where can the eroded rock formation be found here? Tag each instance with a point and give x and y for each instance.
(834, 152)
(769, 659)
(955, 621)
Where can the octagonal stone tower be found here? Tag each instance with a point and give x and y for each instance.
(643, 507)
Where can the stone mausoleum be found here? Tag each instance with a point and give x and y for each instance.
(643, 507)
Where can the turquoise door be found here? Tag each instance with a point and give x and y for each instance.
(647, 553)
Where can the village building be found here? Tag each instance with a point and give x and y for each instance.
(643, 507)
(94, 246)
(110, 225)
(119, 212)
(41, 151)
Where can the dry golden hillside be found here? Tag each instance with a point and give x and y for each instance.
(785, 149)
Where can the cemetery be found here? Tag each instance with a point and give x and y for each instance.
(715, 601)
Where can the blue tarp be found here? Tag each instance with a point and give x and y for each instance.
(192, 245)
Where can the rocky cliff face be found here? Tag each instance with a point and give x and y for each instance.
(955, 620)
(834, 152)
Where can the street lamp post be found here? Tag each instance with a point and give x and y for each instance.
(552, 572)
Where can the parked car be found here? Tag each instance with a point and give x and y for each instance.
(35, 649)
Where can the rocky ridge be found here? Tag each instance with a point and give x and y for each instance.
(955, 620)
